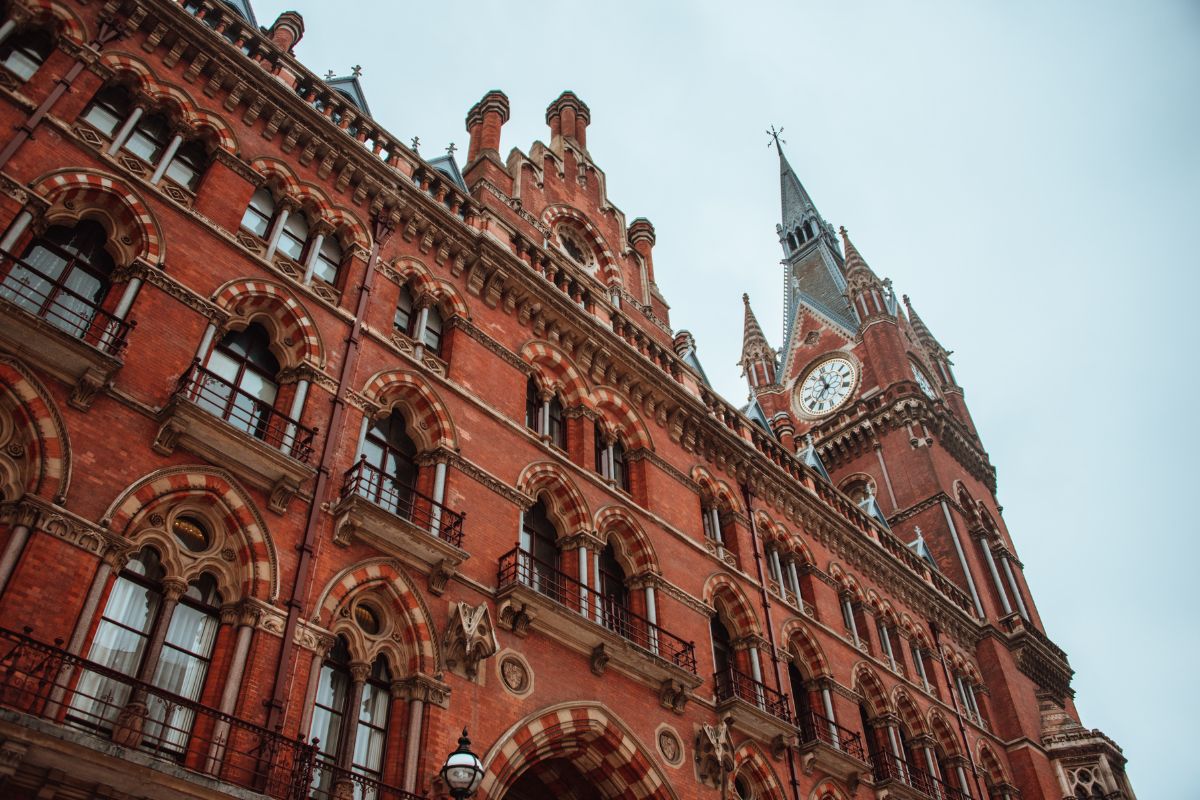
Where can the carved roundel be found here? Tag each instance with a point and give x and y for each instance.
(515, 674)
(670, 746)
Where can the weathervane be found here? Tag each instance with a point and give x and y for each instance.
(329, 75)
(451, 150)
(774, 134)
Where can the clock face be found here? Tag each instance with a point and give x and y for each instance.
(922, 381)
(826, 386)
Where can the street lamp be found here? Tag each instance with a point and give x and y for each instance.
(462, 772)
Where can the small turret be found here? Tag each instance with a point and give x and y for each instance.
(568, 116)
(870, 296)
(758, 359)
(287, 30)
(484, 121)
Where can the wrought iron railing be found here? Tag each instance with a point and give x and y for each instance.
(47, 682)
(245, 412)
(520, 567)
(372, 483)
(732, 683)
(887, 766)
(49, 298)
(814, 727)
(327, 778)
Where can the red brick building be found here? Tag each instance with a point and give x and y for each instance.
(315, 452)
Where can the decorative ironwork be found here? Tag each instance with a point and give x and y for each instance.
(816, 728)
(520, 567)
(891, 767)
(245, 412)
(51, 299)
(731, 684)
(372, 483)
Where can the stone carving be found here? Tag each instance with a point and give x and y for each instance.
(517, 617)
(441, 573)
(673, 695)
(470, 637)
(670, 746)
(714, 753)
(514, 674)
(600, 659)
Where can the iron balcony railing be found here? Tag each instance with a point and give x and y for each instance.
(732, 683)
(814, 727)
(372, 483)
(47, 682)
(328, 777)
(245, 412)
(50, 298)
(520, 567)
(887, 766)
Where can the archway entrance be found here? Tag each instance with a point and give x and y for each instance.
(553, 779)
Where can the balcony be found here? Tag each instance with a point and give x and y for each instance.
(829, 747)
(97, 727)
(52, 326)
(531, 590)
(227, 426)
(756, 707)
(894, 777)
(399, 520)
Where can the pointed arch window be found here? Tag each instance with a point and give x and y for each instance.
(613, 592)
(540, 555)
(406, 313)
(391, 469)
(610, 459)
(722, 644)
(24, 53)
(294, 236)
(533, 406)
(149, 138)
(328, 260)
(189, 163)
(259, 213)
(63, 277)
(432, 334)
(136, 608)
(240, 385)
(710, 517)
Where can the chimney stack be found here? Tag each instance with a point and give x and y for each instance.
(287, 30)
(569, 116)
(484, 121)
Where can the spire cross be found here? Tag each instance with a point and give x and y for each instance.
(356, 71)
(774, 134)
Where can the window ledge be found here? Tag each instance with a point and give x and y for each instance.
(46, 346)
(521, 606)
(184, 424)
(357, 517)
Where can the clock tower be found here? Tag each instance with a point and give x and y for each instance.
(865, 389)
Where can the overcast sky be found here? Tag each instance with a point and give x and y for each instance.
(1025, 171)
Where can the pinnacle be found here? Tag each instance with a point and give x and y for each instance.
(754, 342)
(854, 259)
(918, 325)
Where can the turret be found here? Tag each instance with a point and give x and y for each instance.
(641, 239)
(758, 359)
(568, 116)
(484, 121)
(287, 30)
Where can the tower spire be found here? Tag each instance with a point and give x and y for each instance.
(758, 359)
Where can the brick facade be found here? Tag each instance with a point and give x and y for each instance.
(295, 423)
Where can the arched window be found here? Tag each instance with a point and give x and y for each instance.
(63, 277)
(24, 52)
(293, 236)
(188, 164)
(111, 106)
(741, 788)
(352, 730)
(328, 260)
(539, 546)
(149, 138)
(432, 335)
(791, 240)
(533, 407)
(800, 702)
(135, 610)
(710, 517)
(722, 644)
(614, 593)
(545, 417)
(610, 460)
(258, 215)
(405, 319)
(240, 383)
(390, 461)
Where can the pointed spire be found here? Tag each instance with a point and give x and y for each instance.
(758, 359)
(795, 203)
(919, 327)
(854, 260)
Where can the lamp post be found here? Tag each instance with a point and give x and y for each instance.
(462, 771)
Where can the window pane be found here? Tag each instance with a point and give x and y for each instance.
(149, 138)
(257, 218)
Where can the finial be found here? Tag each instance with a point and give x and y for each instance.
(842, 230)
(329, 75)
(451, 150)
(356, 70)
(745, 298)
(415, 143)
(774, 134)
(917, 530)
(808, 440)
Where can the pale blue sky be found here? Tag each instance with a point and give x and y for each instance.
(1025, 171)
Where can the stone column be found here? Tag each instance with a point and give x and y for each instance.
(439, 496)
(123, 132)
(324, 645)
(165, 160)
(18, 227)
(246, 618)
(962, 559)
(277, 229)
(314, 250)
(23, 521)
(1006, 563)
(991, 564)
